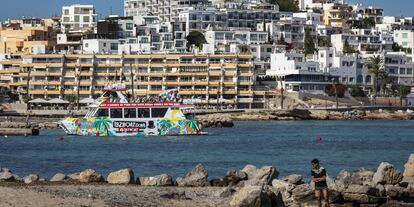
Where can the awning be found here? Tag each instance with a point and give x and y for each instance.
(57, 101)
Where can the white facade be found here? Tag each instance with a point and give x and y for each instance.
(166, 10)
(298, 74)
(404, 38)
(316, 4)
(78, 18)
(104, 46)
(399, 66)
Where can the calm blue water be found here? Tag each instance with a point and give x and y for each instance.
(287, 145)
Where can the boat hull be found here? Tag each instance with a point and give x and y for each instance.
(104, 127)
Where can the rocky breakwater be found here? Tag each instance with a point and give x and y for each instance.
(362, 114)
(17, 129)
(218, 120)
(248, 187)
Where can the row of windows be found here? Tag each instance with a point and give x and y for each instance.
(132, 112)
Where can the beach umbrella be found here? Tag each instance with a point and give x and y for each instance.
(38, 100)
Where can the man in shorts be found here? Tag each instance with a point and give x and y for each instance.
(319, 178)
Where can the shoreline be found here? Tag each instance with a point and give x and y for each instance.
(250, 186)
(16, 125)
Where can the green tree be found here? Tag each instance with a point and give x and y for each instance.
(347, 48)
(286, 5)
(357, 91)
(196, 38)
(368, 23)
(403, 92)
(310, 47)
(376, 68)
(324, 42)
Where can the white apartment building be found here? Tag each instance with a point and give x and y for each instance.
(316, 4)
(399, 66)
(297, 73)
(234, 16)
(292, 29)
(222, 41)
(363, 41)
(348, 69)
(78, 18)
(166, 10)
(312, 18)
(404, 38)
(155, 36)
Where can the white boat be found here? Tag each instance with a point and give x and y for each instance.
(114, 115)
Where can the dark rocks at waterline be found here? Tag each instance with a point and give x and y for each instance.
(216, 122)
(232, 178)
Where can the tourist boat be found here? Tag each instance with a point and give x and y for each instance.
(114, 115)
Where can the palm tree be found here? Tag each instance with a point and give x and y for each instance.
(376, 68)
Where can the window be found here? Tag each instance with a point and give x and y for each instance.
(405, 35)
(104, 44)
(116, 113)
(159, 112)
(102, 112)
(86, 45)
(66, 12)
(143, 113)
(129, 26)
(114, 46)
(130, 113)
(86, 19)
(77, 18)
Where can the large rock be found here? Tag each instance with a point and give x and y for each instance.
(283, 188)
(294, 179)
(342, 181)
(362, 176)
(250, 170)
(251, 196)
(90, 176)
(409, 167)
(74, 176)
(6, 176)
(231, 178)
(303, 194)
(260, 177)
(386, 174)
(159, 180)
(362, 189)
(59, 177)
(31, 179)
(362, 194)
(396, 193)
(195, 178)
(124, 176)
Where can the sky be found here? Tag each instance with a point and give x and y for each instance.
(47, 8)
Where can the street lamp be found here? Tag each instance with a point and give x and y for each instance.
(336, 92)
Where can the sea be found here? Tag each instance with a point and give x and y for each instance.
(287, 145)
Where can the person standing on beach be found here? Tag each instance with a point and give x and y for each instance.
(319, 178)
